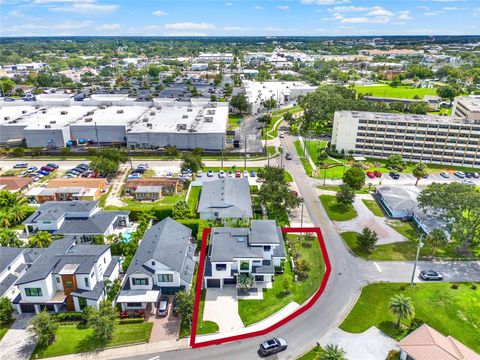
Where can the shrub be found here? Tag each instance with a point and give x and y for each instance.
(393, 355)
(132, 321)
(402, 288)
(70, 316)
(454, 286)
(473, 287)
(302, 265)
(301, 275)
(414, 325)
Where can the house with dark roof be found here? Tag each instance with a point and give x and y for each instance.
(13, 264)
(256, 250)
(226, 198)
(83, 219)
(163, 264)
(67, 276)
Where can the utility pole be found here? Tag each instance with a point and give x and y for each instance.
(420, 245)
(245, 157)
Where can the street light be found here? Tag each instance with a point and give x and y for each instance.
(420, 245)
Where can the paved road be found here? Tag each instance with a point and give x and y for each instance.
(348, 276)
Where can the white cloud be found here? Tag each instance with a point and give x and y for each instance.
(433, 13)
(345, 9)
(404, 15)
(477, 12)
(159, 13)
(324, 2)
(108, 27)
(372, 15)
(355, 20)
(61, 1)
(258, 7)
(86, 8)
(228, 4)
(190, 26)
(283, 7)
(379, 11)
(452, 8)
(423, 7)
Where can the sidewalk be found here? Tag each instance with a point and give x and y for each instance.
(18, 343)
(128, 351)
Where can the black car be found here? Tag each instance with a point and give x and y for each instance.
(476, 175)
(394, 175)
(430, 275)
(469, 175)
(272, 346)
(288, 156)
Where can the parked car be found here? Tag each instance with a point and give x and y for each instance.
(134, 176)
(20, 165)
(221, 174)
(245, 173)
(43, 172)
(469, 174)
(371, 174)
(47, 168)
(252, 173)
(288, 156)
(238, 174)
(272, 346)
(468, 182)
(394, 175)
(209, 173)
(169, 174)
(52, 165)
(430, 275)
(459, 174)
(199, 173)
(32, 169)
(162, 307)
(444, 175)
(476, 175)
(378, 174)
(230, 173)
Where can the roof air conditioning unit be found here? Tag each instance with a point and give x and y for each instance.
(159, 108)
(37, 107)
(91, 112)
(189, 109)
(64, 112)
(120, 111)
(53, 121)
(24, 111)
(185, 117)
(6, 118)
(88, 119)
(152, 112)
(209, 119)
(44, 111)
(145, 119)
(181, 126)
(48, 126)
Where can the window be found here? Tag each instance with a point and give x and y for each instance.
(104, 260)
(68, 284)
(165, 277)
(134, 304)
(221, 267)
(153, 263)
(57, 279)
(266, 248)
(143, 281)
(82, 302)
(86, 282)
(33, 291)
(244, 265)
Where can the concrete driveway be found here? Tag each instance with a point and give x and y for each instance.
(221, 307)
(18, 343)
(371, 344)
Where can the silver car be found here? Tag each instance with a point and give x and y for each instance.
(272, 346)
(162, 307)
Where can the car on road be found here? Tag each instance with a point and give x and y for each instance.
(429, 275)
(210, 173)
(288, 156)
(199, 173)
(221, 174)
(459, 174)
(20, 166)
(394, 175)
(281, 135)
(272, 346)
(162, 307)
(444, 175)
(371, 174)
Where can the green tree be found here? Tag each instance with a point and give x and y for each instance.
(345, 196)
(419, 171)
(181, 210)
(104, 166)
(9, 238)
(185, 301)
(447, 92)
(218, 79)
(266, 119)
(112, 288)
(355, 178)
(44, 327)
(171, 151)
(65, 151)
(239, 102)
(103, 321)
(6, 310)
(436, 239)
(401, 307)
(6, 85)
(269, 104)
(367, 239)
(18, 152)
(191, 162)
(41, 239)
(396, 162)
(332, 352)
(245, 282)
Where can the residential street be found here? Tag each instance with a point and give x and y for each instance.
(349, 275)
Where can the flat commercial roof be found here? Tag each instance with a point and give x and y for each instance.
(55, 117)
(260, 91)
(110, 115)
(183, 118)
(8, 114)
(471, 102)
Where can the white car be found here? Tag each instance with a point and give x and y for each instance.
(468, 182)
(221, 174)
(245, 173)
(199, 173)
(281, 135)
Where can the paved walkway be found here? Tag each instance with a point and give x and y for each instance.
(371, 344)
(165, 328)
(18, 343)
(221, 307)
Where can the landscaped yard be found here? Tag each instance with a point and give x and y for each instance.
(402, 92)
(274, 299)
(234, 121)
(373, 207)
(454, 312)
(315, 148)
(306, 164)
(72, 339)
(194, 197)
(337, 188)
(334, 211)
(4, 328)
(205, 327)
(165, 203)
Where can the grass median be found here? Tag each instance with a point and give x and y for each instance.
(335, 211)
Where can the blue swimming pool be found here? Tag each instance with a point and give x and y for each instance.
(127, 236)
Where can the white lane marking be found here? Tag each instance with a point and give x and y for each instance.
(155, 358)
(377, 266)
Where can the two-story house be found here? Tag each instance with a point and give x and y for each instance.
(13, 264)
(256, 250)
(163, 264)
(67, 276)
(226, 198)
(83, 219)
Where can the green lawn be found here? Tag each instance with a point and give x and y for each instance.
(4, 328)
(272, 128)
(205, 327)
(234, 121)
(337, 188)
(315, 148)
(72, 339)
(402, 92)
(454, 312)
(373, 207)
(306, 164)
(274, 299)
(133, 205)
(334, 211)
(149, 173)
(194, 197)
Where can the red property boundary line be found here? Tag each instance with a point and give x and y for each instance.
(299, 311)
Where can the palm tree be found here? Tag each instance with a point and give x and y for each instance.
(4, 219)
(41, 239)
(436, 239)
(9, 238)
(419, 171)
(17, 213)
(332, 352)
(401, 307)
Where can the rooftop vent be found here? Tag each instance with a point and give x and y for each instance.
(89, 119)
(159, 108)
(48, 126)
(185, 116)
(24, 111)
(90, 112)
(53, 121)
(102, 107)
(6, 118)
(209, 119)
(152, 113)
(145, 119)
(189, 109)
(44, 111)
(120, 111)
(63, 112)
(181, 126)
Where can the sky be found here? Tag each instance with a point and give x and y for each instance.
(238, 18)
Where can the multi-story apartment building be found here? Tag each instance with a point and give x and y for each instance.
(467, 107)
(426, 138)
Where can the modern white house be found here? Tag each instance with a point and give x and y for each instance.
(67, 276)
(256, 250)
(164, 263)
(226, 198)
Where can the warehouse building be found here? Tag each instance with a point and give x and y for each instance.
(467, 107)
(427, 138)
(186, 125)
(12, 124)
